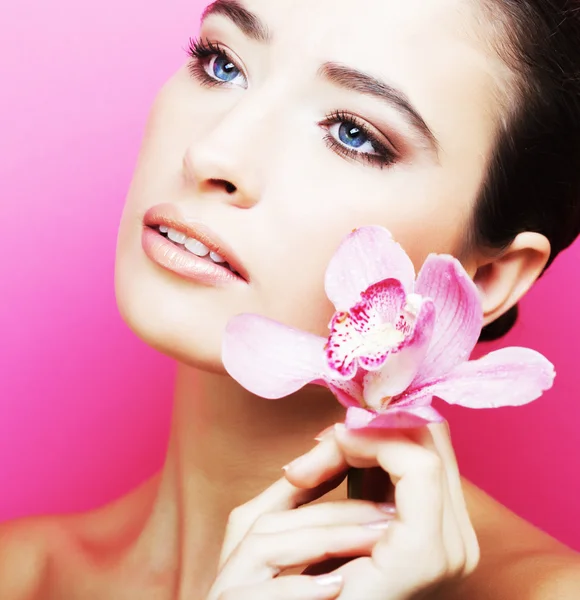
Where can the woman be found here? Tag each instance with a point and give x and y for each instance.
(454, 123)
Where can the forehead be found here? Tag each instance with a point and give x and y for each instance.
(434, 28)
(361, 15)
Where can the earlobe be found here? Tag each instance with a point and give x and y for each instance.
(503, 280)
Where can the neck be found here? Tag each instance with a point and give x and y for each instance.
(226, 446)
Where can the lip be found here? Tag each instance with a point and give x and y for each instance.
(170, 256)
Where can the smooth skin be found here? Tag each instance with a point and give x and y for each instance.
(401, 554)
(90, 556)
(273, 160)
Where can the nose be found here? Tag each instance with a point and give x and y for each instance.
(226, 161)
(211, 176)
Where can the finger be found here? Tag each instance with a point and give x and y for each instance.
(348, 512)
(416, 471)
(323, 462)
(328, 459)
(280, 496)
(263, 556)
(428, 495)
(442, 440)
(432, 522)
(295, 587)
(445, 518)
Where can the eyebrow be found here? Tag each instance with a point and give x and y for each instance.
(346, 77)
(249, 23)
(355, 80)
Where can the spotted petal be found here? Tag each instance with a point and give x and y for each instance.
(365, 257)
(507, 377)
(459, 316)
(392, 418)
(269, 359)
(348, 393)
(367, 333)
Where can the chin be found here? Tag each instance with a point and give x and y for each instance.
(201, 351)
(170, 322)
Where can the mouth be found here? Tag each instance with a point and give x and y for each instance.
(199, 251)
(194, 246)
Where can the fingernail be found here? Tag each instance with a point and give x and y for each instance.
(324, 433)
(388, 508)
(329, 580)
(296, 462)
(305, 459)
(380, 525)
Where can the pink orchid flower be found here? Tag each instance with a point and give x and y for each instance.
(395, 342)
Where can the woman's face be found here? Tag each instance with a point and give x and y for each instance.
(302, 120)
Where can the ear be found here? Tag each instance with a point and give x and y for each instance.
(503, 280)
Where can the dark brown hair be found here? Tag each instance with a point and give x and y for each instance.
(533, 179)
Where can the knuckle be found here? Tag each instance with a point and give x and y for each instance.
(265, 523)
(241, 518)
(457, 564)
(472, 558)
(438, 569)
(435, 563)
(254, 546)
(431, 464)
(237, 516)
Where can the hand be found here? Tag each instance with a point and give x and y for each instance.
(432, 540)
(427, 541)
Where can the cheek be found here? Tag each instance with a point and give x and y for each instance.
(291, 259)
(295, 296)
(306, 227)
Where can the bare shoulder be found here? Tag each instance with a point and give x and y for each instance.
(38, 553)
(518, 560)
(554, 576)
(24, 557)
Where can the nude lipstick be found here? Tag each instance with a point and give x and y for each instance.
(189, 249)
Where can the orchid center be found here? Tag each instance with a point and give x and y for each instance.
(378, 404)
(377, 326)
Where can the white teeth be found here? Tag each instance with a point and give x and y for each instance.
(176, 236)
(196, 247)
(216, 258)
(192, 245)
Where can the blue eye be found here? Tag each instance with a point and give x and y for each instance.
(212, 65)
(224, 69)
(351, 135)
(352, 138)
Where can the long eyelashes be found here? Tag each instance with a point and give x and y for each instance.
(200, 51)
(383, 156)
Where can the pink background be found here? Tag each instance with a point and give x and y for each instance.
(84, 406)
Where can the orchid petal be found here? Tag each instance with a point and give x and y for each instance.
(506, 377)
(368, 255)
(343, 345)
(368, 331)
(392, 418)
(401, 367)
(459, 317)
(359, 418)
(269, 359)
(348, 393)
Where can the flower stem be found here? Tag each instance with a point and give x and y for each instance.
(369, 484)
(354, 483)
